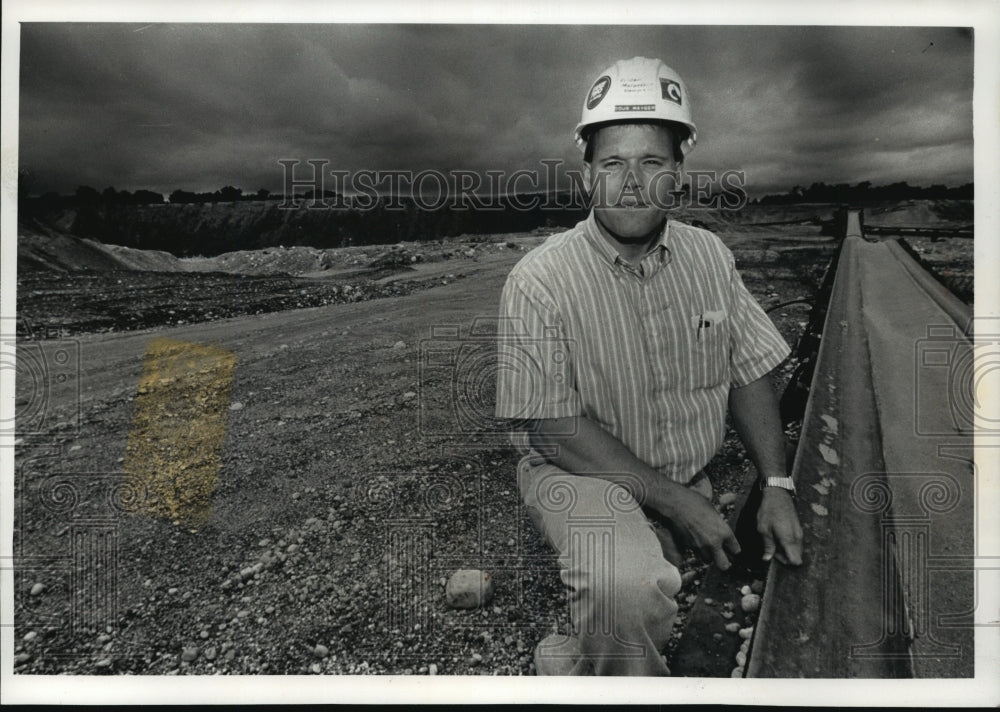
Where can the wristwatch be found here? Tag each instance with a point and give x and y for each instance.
(782, 482)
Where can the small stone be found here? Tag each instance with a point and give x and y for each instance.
(172, 591)
(30, 636)
(821, 489)
(321, 651)
(687, 577)
(717, 636)
(727, 498)
(399, 346)
(38, 589)
(475, 659)
(745, 590)
(432, 669)
(709, 602)
(190, 653)
(203, 634)
(210, 653)
(819, 509)
(829, 454)
(236, 406)
(733, 627)
(251, 570)
(750, 603)
(106, 662)
(726, 614)
(745, 633)
(741, 658)
(737, 672)
(316, 668)
(757, 587)
(469, 588)
(22, 658)
(409, 395)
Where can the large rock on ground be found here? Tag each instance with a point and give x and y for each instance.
(469, 588)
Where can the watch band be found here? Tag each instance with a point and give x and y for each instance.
(782, 482)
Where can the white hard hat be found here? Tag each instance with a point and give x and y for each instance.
(637, 88)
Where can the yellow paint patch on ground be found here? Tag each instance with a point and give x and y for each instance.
(175, 444)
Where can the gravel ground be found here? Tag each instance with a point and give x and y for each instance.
(338, 522)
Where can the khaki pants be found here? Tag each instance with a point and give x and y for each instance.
(612, 559)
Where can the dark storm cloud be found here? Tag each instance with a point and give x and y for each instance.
(201, 106)
(839, 104)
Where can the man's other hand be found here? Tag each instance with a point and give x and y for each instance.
(778, 523)
(703, 528)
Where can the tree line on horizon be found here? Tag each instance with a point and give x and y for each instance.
(140, 219)
(865, 192)
(818, 192)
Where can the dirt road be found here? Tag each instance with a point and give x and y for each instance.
(325, 420)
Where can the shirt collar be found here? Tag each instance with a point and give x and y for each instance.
(608, 254)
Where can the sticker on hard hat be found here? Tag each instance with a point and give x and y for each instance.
(635, 107)
(670, 90)
(598, 91)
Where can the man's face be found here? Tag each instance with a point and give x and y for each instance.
(633, 168)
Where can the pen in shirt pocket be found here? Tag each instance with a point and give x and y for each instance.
(705, 320)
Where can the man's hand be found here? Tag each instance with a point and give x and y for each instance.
(778, 523)
(590, 450)
(697, 522)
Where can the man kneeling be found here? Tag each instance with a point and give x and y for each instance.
(622, 342)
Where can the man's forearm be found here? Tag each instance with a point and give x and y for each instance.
(757, 420)
(592, 451)
(754, 408)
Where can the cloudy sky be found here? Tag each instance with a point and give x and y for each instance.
(200, 106)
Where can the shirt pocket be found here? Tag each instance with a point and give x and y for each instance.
(708, 365)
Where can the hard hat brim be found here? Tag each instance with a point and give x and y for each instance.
(686, 134)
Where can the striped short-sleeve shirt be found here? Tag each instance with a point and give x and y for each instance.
(648, 352)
